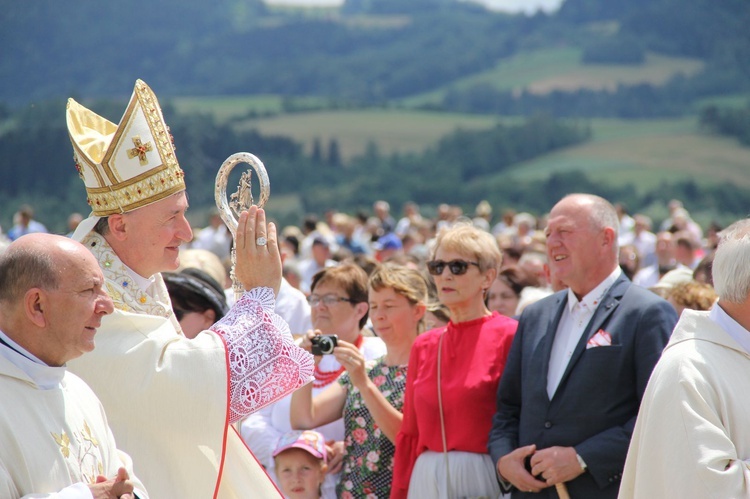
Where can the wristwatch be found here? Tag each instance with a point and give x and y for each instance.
(581, 462)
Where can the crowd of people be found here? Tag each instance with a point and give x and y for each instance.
(369, 356)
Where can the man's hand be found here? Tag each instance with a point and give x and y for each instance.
(257, 265)
(335, 456)
(512, 469)
(114, 488)
(556, 464)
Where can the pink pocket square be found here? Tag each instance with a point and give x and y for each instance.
(600, 339)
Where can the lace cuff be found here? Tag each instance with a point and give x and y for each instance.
(264, 362)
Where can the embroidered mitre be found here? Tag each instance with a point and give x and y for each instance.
(125, 166)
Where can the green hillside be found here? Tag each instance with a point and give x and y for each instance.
(646, 154)
(392, 131)
(642, 152)
(560, 68)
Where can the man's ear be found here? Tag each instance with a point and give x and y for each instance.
(609, 236)
(118, 226)
(35, 305)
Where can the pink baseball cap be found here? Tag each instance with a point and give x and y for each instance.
(309, 440)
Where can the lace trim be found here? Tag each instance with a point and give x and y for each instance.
(265, 364)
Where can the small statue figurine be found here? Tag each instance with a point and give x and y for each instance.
(242, 200)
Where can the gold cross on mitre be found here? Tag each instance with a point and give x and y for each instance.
(140, 150)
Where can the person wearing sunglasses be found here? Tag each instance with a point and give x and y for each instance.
(454, 371)
(371, 394)
(338, 302)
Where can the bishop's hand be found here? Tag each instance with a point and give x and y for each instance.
(258, 260)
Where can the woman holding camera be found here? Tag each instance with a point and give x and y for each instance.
(338, 301)
(454, 371)
(370, 394)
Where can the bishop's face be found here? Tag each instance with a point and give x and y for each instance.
(153, 235)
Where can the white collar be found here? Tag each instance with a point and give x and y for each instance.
(593, 297)
(143, 283)
(731, 326)
(46, 377)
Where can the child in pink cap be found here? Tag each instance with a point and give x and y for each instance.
(300, 459)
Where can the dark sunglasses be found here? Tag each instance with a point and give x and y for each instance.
(457, 267)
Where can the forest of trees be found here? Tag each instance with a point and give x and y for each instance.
(321, 179)
(368, 53)
(462, 168)
(241, 47)
(728, 121)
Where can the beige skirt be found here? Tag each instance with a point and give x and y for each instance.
(470, 476)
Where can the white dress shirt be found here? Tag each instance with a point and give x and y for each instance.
(575, 318)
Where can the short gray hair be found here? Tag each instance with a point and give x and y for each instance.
(731, 269)
(23, 269)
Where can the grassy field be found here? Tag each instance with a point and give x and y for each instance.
(734, 100)
(642, 152)
(232, 107)
(391, 130)
(646, 153)
(546, 70)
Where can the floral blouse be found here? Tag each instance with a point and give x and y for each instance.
(368, 460)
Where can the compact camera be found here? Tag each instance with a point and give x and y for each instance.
(324, 344)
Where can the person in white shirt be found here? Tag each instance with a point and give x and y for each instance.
(320, 258)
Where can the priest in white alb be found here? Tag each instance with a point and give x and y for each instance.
(54, 437)
(692, 435)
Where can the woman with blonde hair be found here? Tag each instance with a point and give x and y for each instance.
(454, 371)
(370, 394)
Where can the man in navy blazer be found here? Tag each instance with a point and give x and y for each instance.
(579, 364)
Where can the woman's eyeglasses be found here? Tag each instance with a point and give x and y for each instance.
(326, 300)
(457, 267)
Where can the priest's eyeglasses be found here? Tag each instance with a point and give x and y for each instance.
(457, 267)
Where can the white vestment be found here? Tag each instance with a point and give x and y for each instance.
(692, 435)
(53, 440)
(171, 400)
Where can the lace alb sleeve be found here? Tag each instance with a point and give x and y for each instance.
(264, 362)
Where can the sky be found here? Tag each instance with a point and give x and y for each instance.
(527, 6)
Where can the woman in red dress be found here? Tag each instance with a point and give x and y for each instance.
(454, 371)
